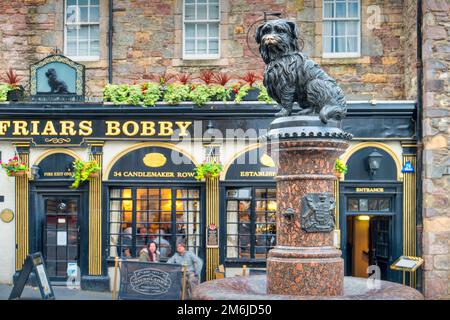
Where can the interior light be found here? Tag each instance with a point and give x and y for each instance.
(363, 218)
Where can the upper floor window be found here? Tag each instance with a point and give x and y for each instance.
(81, 32)
(341, 28)
(201, 19)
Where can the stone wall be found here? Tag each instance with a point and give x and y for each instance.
(436, 139)
(148, 39)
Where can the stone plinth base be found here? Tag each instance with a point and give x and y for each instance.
(255, 288)
(305, 271)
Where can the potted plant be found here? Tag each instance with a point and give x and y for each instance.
(207, 76)
(15, 92)
(84, 170)
(339, 168)
(175, 93)
(200, 94)
(183, 78)
(252, 91)
(15, 168)
(208, 170)
(4, 89)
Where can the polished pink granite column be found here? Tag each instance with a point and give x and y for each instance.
(304, 263)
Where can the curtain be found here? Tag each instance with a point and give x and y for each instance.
(232, 229)
(114, 218)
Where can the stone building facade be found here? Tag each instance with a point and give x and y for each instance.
(436, 146)
(147, 39)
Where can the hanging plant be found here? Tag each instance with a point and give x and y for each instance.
(15, 168)
(208, 170)
(84, 170)
(340, 168)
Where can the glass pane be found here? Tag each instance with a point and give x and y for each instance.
(83, 2)
(201, 30)
(339, 27)
(71, 48)
(201, 12)
(353, 10)
(94, 2)
(83, 33)
(340, 10)
(190, 46)
(328, 11)
(352, 204)
(189, 12)
(71, 14)
(327, 44)
(51, 253)
(352, 28)
(373, 204)
(94, 17)
(340, 44)
(385, 204)
(190, 30)
(363, 205)
(213, 30)
(95, 48)
(213, 11)
(201, 49)
(327, 28)
(352, 44)
(83, 14)
(71, 2)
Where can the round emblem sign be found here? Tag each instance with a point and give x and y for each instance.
(7, 215)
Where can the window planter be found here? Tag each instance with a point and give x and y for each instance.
(19, 173)
(15, 94)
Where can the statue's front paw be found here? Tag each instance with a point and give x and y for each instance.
(283, 113)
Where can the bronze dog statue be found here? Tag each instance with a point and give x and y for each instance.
(291, 76)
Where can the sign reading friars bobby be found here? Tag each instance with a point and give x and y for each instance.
(317, 213)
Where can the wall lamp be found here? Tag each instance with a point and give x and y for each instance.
(374, 159)
(34, 170)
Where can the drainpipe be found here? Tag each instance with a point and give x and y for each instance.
(110, 40)
(419, 114)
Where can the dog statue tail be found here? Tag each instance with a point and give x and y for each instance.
(336, 110)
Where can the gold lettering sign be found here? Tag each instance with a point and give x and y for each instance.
(257, 174)
(369, 190)
(85, 128)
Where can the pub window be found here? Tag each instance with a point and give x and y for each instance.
(165, 216)
(82, 30)
(201, 20)
(341, 28)
(251, 224)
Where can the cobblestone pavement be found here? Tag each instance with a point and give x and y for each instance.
(61, 293)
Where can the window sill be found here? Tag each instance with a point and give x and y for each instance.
(341, 55)
(84, 59)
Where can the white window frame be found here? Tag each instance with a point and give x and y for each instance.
(81, 58)
(355, 54)
(201, 56)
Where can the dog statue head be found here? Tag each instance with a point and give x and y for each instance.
(277, 38)
(51, 74)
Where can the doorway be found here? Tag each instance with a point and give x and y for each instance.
(60, 234)
(368, 244)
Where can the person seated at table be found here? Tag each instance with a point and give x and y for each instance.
(150, 253)
(126, 253)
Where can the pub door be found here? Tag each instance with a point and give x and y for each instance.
(59, 220)
(379, 241)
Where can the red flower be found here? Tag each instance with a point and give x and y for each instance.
(235, 90)
(15, 158)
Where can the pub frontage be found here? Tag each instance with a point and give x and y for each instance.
(147, 191)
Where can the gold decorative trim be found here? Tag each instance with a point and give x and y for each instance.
(237, 155)
(95, 222)
(409, 212)
(350, 151)
(154, 160)
(21, 225)
(143, 145)
(212, 217)
(53, 151)
(58, 140)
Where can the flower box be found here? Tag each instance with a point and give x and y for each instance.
(19, 173)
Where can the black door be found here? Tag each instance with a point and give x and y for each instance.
(379, 241)
(60, 234)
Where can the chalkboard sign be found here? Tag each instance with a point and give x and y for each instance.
(150, 281)
(34, 262)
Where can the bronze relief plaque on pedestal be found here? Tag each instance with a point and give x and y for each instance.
(317, 214)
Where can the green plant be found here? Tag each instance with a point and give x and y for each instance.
(340, 166)
(263, 95)
(175, 93)
(208, 170)
(4, 89)
(14, 165)
(219, 92)
(200, 94)
(12, 78)
(241, 92)
(151, 92)
(122, 94)
(82, 170)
